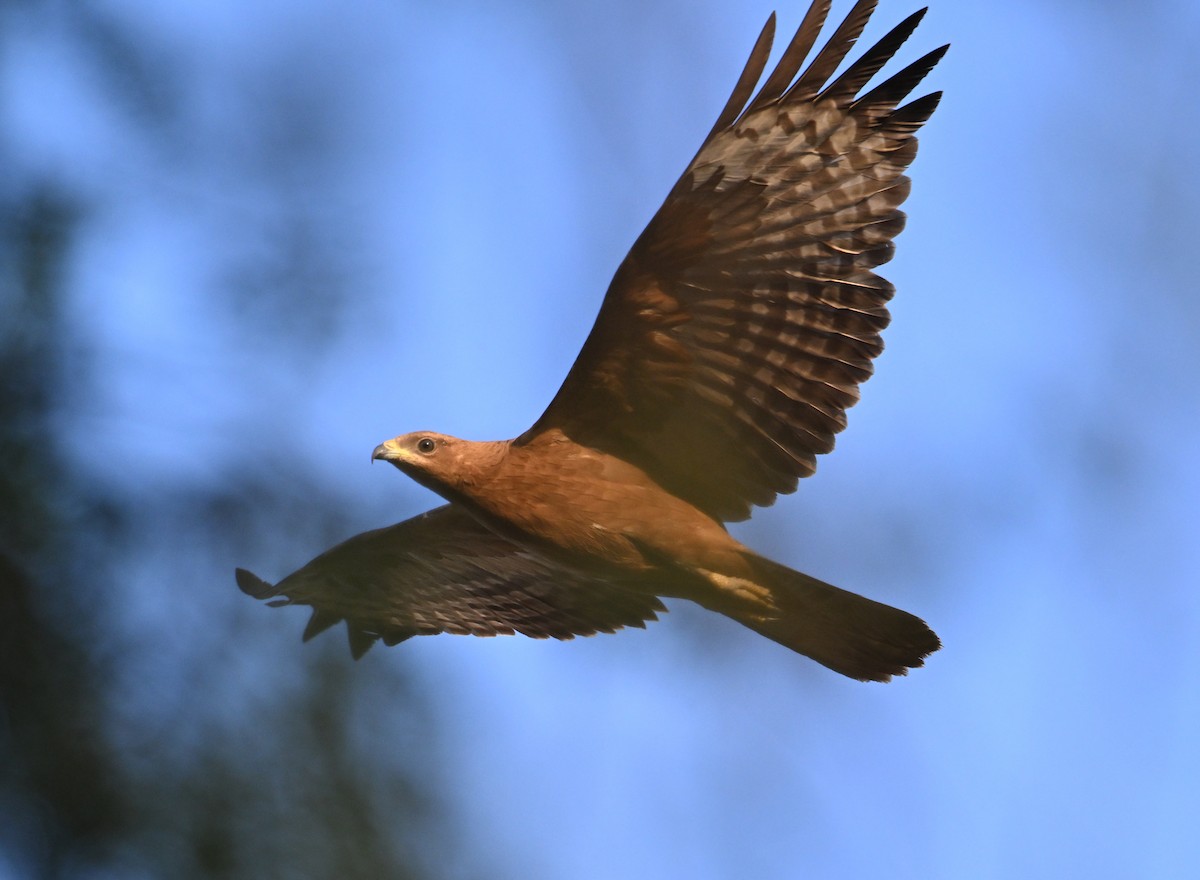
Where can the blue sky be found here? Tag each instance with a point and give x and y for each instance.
(449, 190)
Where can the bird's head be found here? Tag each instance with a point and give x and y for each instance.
(437, 461)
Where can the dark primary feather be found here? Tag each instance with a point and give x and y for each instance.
(793, 56)
(840, 43)
(750, 74)
(443, 572)
(846, 86)
(735, 334)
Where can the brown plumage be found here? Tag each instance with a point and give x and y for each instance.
(731, 341)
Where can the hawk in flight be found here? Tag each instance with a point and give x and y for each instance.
(727, 350)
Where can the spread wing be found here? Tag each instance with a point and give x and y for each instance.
(736, 332)
(443, 572)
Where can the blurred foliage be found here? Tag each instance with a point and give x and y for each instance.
(281, 791)
(129, 751)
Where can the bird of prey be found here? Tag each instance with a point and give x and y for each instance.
(728, 347)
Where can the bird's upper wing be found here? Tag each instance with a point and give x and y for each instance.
(443, 572)
(736, 332)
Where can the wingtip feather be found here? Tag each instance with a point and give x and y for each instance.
(252, 585)
(360, 641)
(320, 621)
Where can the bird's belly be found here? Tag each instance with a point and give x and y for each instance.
(601, 516)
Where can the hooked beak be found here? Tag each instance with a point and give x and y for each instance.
(389, 450)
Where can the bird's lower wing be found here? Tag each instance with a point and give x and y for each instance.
(444, 572)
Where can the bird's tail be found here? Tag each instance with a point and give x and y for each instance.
(850, 634)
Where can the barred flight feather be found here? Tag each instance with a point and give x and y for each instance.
(764, 251)
(443, 572)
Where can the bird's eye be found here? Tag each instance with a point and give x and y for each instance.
(426, 445)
